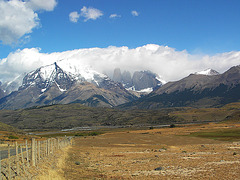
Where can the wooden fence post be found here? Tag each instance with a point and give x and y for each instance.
(39, 150)
(23, 165)
(27, 153)
(48, 146)
(17, 158)
(36, 152)
(33, 152)
(52, 145)
(45, 147)
(9, 164)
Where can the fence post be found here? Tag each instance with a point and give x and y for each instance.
(48, 143)
(23, 165)
(36, 152)
(39, 150)
(17, 158)
(45, 147)
(33, 152)
(27, 153)
(52, 144)
(9, 165)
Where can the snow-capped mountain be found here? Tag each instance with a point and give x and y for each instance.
(66, 82)
(208, 72)
(63, 74)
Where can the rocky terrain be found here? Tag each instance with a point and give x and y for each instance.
(140, 81)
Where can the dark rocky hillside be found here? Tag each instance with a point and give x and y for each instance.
(194, 91)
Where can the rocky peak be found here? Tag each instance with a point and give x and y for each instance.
(45, 76)
(117, 75)
(208, 72)
(127, 79)
(144, 80)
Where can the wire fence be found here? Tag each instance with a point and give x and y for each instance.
(17, 159)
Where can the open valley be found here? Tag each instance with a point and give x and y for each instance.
(165, 153)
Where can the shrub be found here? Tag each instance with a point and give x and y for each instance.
(94, 133)
(88, 134)
(12, 137)
(77, 163)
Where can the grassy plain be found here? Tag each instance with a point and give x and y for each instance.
(166, 153)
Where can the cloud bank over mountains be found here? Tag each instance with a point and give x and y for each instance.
(169, 63)
(18, 18)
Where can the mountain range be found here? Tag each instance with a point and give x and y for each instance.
(67, 82)
(205, 89)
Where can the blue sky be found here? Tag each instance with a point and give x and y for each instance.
(199, 26)
(170, 37)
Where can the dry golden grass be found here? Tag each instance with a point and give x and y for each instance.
(52, 167)
(137, 154)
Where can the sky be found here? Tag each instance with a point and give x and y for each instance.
(170, 37)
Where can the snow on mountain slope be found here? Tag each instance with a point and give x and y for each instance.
(63, 73)
(208, 72)
(67, 82)
(74, 69)
(78, 71)
(13, 85)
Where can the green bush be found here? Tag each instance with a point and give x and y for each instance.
(88, 134)
(77, 163)
(12, 137)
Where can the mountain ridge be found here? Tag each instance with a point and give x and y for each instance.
(51, 84)
(195, 90)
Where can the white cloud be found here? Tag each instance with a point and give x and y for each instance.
(135, 13)
(90, 13)
(47, 5)
(163, 60)
(74, 16)
(112, 16)
(18, 18)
